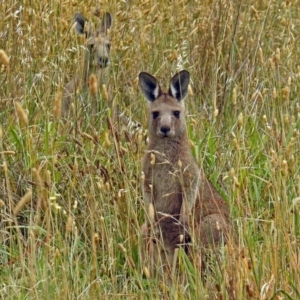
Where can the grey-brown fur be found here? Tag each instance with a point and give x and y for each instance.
(187, 207)
(96, 58)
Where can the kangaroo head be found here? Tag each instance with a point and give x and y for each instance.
(97, 41)
(166, 109)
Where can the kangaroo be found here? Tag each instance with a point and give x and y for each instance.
(96, 59)
(187, 207)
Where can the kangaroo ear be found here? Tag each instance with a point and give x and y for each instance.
(106, 22)
(149, 86)
(179, 85)
(80, 20)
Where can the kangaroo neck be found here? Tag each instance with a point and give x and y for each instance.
(171, 147)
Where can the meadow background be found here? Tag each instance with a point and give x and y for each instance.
(71, 203)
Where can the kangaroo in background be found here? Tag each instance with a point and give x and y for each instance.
(96, 58)
(187, 207)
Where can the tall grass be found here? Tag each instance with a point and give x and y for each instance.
(71, 204)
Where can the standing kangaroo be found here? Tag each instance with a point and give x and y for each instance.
(96, 59)
(187, 207)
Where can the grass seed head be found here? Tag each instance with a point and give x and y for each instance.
(131, 262)
(241, 120)
(264, 117)
(93, 84)
(75, 204)
(276, 58)
(21, 114)
(48, 178)
(286, 93)
(179, 164)
(24, 200)
(272, 63)
(151, 212)
(235, 144)
(261, 55)
(4, 60)
(4, 166)
(57, 105)
(190, 91)
(181, 238)
(75, 166)
(284, 167)
(105, 93)
(234, 96)
(232, 173)
(143, 176)
(37, 177)
(123, 249)
(69, 224)
(152, 159)
(146, 272)
(2, 204)
(96, 238)
(274, 93)
(216, 113)
(107, 142)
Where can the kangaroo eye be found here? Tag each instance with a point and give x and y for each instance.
(108, 46)
(176, 113)
(155, 114)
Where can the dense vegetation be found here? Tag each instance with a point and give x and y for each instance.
(71, 204)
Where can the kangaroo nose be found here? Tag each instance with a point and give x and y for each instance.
(165, 129)
(103, 61)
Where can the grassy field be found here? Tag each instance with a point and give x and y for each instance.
(71, 202)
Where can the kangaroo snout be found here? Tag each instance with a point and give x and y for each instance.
(103, 62)
(165, 124)
(102, 56)
(99, 49)
(164, 130)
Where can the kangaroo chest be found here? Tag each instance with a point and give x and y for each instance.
(167, 189)
(167, 175)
